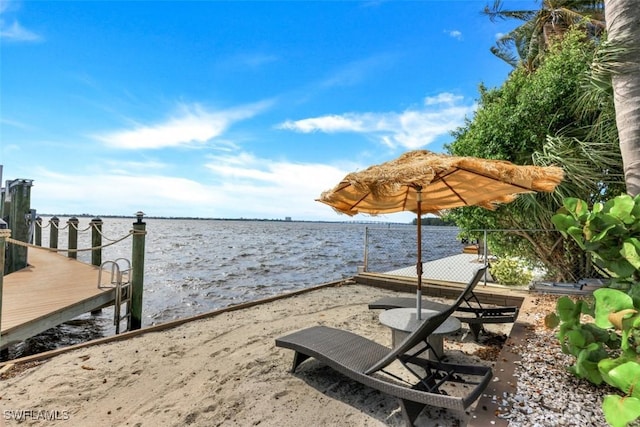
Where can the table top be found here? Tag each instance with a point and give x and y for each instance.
(406, 319)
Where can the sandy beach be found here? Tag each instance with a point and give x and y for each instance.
(222, 370)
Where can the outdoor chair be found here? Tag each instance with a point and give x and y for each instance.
(471, 313)
(422, 382)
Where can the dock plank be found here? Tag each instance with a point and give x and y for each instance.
(51, 290)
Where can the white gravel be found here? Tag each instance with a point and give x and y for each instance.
(547, 394)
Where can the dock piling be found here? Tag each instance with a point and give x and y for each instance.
(38, 232)
(73, 238)
(5, 233)
(53, 232)
(137, 273)
(19, 191)
(96, 241)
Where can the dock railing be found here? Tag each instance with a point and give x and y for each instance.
(73, 228)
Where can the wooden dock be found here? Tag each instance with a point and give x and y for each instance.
(456, 268)
(53, 289)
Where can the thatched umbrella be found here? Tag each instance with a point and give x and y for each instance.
(425, 182)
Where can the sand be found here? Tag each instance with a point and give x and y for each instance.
(221, 371)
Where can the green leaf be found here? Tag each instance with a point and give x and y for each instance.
(577, 338)
(586, 366)
(609, 301)
(602, 335)
(567, 309)
(607, 365)
(621, 267)
(626, 377)
(597, 208)
(576, 206)
(563, 222)
(620, 411)
(578, 235)
(551, 321)
(602, 233)
(621, 207)
(631, 252)
(586, 308)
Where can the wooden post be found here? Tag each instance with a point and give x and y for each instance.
(38, 231)
(31, 225)
(96, 254)
(4, 234)
(73, 237)
(2, 189)
(137, 273)
(20, 194)
(53, 232)
(96, 241)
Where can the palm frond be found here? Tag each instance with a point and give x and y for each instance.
(496, 12)
(592, 168)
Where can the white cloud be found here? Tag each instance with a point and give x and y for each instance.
(274, 188)
(117, 193)
(411, 129)
(443, 98)
(328, 124)
(456, 34)
(14, 31)
(239, 185)
(192, 125)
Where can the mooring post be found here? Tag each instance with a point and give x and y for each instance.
(96, 241)
(137, 270)
(73, 237)
(96, 253)
(5, 233)
(38, 231)
(53, 233)
(20, 192)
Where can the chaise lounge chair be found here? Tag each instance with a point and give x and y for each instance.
(368, 362)
(472, 313)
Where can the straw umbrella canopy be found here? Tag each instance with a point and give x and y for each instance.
(425, 182)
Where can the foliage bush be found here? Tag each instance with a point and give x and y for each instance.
(538, 118)
(606, 349)
(511, 272)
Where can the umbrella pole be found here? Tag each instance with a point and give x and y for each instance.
(419, 263)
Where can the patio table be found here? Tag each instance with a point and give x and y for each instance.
(403, 321)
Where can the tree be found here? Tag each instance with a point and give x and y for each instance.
(538, 118)
(541, 27)
(623, 37)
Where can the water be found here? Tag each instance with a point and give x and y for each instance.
(196, 266)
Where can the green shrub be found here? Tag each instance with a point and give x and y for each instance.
(606, 349)
(511, 272)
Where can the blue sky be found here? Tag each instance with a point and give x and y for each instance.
(230, 109)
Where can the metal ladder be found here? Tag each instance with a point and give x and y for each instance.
(120, 281)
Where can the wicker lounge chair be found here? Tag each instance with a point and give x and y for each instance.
(472, 312)
(368, 362)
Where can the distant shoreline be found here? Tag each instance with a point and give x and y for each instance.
(436, 222)
(222, 219)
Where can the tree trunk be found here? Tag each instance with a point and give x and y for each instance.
(623, 28)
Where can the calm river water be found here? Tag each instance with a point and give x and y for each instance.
(195, 266)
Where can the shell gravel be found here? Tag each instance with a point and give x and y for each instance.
(547, 395)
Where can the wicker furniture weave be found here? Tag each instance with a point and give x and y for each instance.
(368, 362)
(472, 313)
